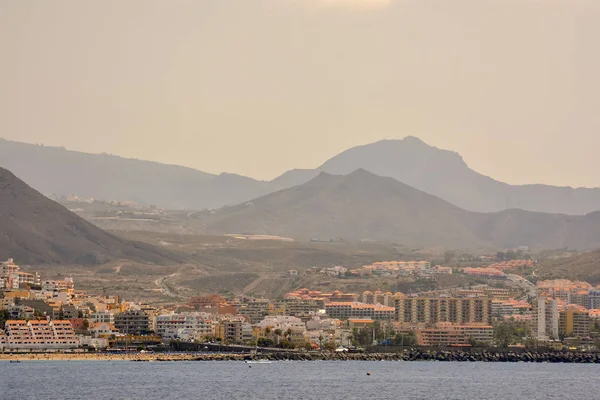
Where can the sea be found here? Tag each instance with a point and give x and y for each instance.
(104, 380)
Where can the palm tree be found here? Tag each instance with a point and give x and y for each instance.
(278, 333)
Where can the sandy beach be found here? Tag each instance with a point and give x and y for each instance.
(99, 357)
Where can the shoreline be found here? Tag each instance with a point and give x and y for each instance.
(412, 355)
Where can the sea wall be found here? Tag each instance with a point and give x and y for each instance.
(410, 355)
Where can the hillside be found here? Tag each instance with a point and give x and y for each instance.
(584, 267)
(363, 206)
(54, 170)
(35, 230)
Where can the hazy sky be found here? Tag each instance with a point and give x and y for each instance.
(257, 87)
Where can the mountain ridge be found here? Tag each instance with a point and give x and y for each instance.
(443, 173)
(365, 206)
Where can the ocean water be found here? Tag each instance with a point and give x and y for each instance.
(296, 380)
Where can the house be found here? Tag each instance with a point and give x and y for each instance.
(103, 330)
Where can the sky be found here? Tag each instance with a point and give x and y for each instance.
(258, 87)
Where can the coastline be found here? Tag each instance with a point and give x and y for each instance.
(411, 355)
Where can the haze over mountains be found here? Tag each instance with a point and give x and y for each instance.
(35, 229)
(439, 172)
(362, 205)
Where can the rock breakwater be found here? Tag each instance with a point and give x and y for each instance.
(409, 355)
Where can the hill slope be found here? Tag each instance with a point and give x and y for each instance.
(34, 230)
(584, 267)
(362, 205)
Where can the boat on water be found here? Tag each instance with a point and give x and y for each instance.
(15, 361)
(258, 362)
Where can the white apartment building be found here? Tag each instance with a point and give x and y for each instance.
(102, 316)
(325, 324)
(40, 335)
(283, 322)
(185, 325)
(545, 318)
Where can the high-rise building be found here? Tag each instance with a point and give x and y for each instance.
(346, 310)
(133, 322)
(545, 319)
(594, 299)
(438, 309)
(574, 323)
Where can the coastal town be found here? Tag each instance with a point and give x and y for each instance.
(51, 316)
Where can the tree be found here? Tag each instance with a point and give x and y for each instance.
(278, 333)
(265, 342)
(4, 316)
(405, 339)
(86, 324)
(321, 338)
(331, 345)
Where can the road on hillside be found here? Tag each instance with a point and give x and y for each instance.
(523, 284)
(166, 290)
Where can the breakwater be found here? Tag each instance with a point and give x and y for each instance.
(409, 355)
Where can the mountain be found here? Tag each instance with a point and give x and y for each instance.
(36, 230)
(439, 172)
(445, 174)
(106, 177)
(362, 205)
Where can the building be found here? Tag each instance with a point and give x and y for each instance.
(581, 298)
(234, 331)
(484, 271)
(438, 309)
(411, 266)
(574, 323)
(102, 316)
(40, 335)
(283, 322)
(11, 277)
(133, 322)
(442, 270)
(594, 299)
(103, 330)
(191, 326)
(378, 297)
(322, 324)
(545, 319)
(501, 308)
(301, 307)
(255, 309)
(347, 310)
(446, 334)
